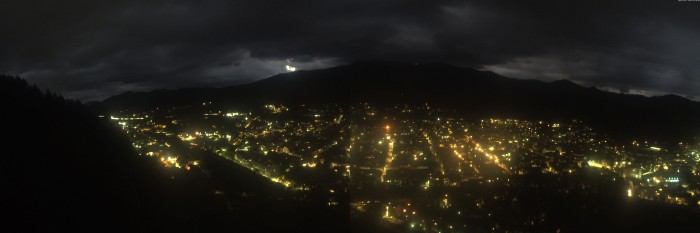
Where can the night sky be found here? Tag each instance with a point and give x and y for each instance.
(89, 49)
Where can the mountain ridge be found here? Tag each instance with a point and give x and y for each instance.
(472, 93)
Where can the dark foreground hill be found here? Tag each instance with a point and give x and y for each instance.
(66, 170)
(470, 93)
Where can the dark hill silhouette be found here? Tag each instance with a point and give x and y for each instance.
(472, 93)
(66, 170)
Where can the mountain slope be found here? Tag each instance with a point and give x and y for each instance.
(65, 170)
(473, 94)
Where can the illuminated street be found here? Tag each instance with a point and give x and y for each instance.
(432, 173)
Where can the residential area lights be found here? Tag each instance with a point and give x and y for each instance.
(352, 145)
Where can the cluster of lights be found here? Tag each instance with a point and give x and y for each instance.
(470, 149)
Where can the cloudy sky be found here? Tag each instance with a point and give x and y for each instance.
(89, 50)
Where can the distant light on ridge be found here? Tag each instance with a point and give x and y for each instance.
(290, 68)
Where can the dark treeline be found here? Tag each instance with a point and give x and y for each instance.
(66, 170)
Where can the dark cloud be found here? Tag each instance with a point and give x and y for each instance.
(93, 49)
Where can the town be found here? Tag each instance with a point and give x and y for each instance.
(416, 168)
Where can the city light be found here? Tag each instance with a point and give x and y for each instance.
(435, 157)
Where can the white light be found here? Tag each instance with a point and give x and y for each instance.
(290, 68)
